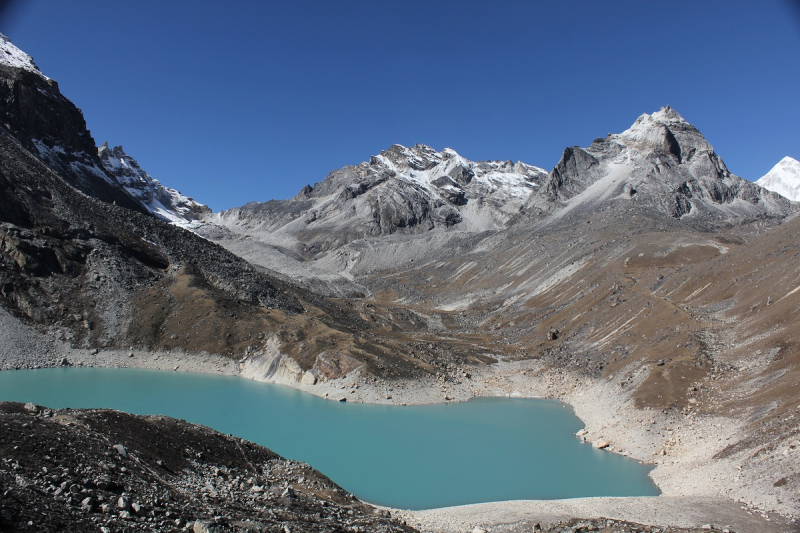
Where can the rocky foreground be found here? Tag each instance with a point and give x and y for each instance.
(102, 470)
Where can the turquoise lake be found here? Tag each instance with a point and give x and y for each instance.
(412, 457)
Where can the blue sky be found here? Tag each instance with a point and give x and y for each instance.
(232, 102)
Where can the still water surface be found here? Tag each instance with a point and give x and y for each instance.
(413, 457)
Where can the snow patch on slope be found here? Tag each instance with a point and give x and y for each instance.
(784, 179)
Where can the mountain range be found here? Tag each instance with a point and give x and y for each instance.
(639, 271)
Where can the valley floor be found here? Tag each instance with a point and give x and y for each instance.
(697, 488)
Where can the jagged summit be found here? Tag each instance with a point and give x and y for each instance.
(448, 173)
(668, 114)
(783, 178)
(164, 202)
(11, 56)
(664, 129)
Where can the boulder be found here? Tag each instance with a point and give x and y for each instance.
(309, 378)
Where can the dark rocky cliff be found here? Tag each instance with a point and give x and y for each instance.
(46, 123)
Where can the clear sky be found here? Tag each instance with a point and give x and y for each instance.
(240, 101)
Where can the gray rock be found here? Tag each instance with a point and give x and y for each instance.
(87, 504)
(601, 443)
(204, 527)
(124, 503)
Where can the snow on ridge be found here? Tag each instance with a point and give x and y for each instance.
(427, 168)
(11, 56)
(651, 128)
(164, 202)
(783, 178)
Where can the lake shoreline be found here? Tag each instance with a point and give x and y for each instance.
(687, 474)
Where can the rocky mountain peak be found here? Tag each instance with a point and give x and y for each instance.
(420, 157)
(783, 178)
(667, 114)
(665, 129)
(447, 172)
(663, 164)
(164, 202)
(402, 190)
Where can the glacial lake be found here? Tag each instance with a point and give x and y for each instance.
(412, 457)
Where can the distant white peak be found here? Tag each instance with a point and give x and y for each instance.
(11, 56)
(784, 179)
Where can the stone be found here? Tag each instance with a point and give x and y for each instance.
(582, 432)
(87, 505)
(309, 378)
(204, 527)
(121, 450)
(601, 443)
(105, 483)
(124, 503)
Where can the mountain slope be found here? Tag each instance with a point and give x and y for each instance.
(783, 178)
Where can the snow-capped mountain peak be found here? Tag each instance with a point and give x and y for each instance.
(662, 163)
(402, 190)
(164, 202)
(447, 173)
(11, 56)
(784, 179)
(664, 128)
